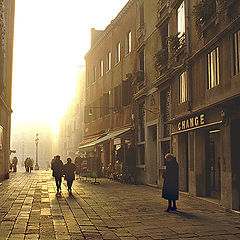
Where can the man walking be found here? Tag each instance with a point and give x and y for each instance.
(69, 170)
(57, 167)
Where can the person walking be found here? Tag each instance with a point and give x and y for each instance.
(57, 167)
(14, 164)
(170, 189)
(69, 172)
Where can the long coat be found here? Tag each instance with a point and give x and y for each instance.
(57, 167)
(69, 170)
(170, 189)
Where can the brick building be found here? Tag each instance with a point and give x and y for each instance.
(110, 64)
(7, 8)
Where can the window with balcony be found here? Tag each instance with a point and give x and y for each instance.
(109, 61)
(128, 42)
(183, 89)
(236, 53)
(213, 68)
(101, 68)
(118, 53)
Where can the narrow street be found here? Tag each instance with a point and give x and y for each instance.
(30, 209)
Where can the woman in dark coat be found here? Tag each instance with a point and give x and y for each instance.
(69, 170)
(170, 185)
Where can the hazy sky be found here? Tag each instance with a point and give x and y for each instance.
(51, 39)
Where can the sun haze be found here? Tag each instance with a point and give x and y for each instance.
(51, 39)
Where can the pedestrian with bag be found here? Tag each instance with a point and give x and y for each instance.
(170, 189)
(57, 167)
(69, 172)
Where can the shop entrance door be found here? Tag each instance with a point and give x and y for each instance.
(213, 167)
(235, 156)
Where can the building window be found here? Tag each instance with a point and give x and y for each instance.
(118, 52)
(106, 97)
(126, 92)
(88, 80)
(183, 87)
(181, 19)
(213, 68)
(128, 42)
(141, 15)
(236, 53)
(117, 98)
(109, 61)
(141, 154)
(101, 68)
(141, 117)
(94, 73)
(165, 111)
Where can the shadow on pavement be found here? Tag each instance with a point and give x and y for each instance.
(187, 215)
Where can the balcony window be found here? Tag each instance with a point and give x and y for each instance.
(94, 73)
(236, 53)
(109, 61)
(117, 53)
(101, 68)
(128, 42)
(181, 19)
(213, 68)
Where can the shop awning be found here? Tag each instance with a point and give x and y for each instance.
(88, 140)
(91, 146)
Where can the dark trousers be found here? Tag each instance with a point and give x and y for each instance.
(171, 204)
(69, 184)
(58, 183)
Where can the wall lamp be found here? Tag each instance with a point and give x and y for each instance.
(158, 112)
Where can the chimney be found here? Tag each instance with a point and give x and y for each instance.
(95, 34)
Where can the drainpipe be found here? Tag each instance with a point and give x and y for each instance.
(188, 55)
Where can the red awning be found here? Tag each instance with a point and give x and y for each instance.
(88, 140)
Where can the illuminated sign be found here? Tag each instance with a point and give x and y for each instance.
(191, 122)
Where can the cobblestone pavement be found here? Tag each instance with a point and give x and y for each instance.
(30, 209)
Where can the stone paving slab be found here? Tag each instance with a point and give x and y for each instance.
(30, 209)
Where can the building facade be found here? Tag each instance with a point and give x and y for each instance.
(110, 65)
(190, 106)
(7, 8)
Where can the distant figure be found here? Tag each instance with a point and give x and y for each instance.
(28, 163)
(14, 164)
(69, 169)
(170, 185)
(57, 167)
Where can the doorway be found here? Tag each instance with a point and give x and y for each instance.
(213, 166)
(235, 155)
(152, 155)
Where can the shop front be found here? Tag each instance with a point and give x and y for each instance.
(197, 141)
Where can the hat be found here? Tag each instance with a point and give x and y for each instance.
(169, 155)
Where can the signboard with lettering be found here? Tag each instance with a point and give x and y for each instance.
(191, 122)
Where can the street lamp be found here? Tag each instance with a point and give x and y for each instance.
(36, 142)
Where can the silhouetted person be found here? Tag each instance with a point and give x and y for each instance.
(14, 164)
(57, 167)
(69, 171)
(28, 164)
(170, 185)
